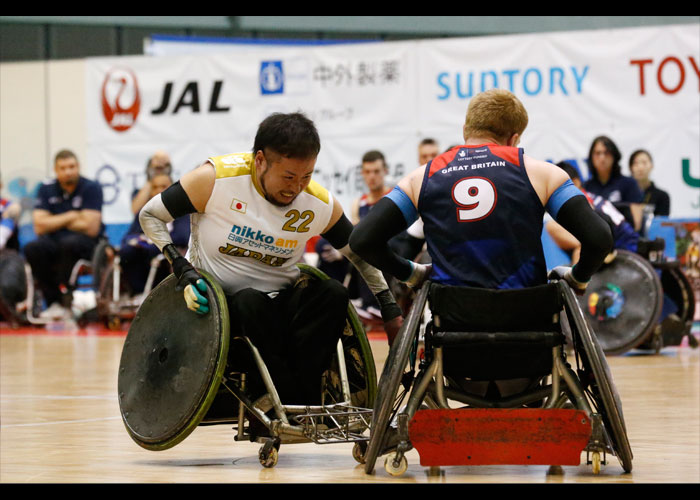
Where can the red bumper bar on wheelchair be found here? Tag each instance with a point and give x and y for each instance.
(500, 436)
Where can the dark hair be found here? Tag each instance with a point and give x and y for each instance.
(428, 140)
(65, 154)
(569, 169)
(291, 135)
(610, 146)
(636, 153)
(373, 155)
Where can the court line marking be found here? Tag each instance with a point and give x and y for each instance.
(58, 422)
(6, 397)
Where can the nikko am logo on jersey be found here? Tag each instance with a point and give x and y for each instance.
(254, 237)
(271, 77)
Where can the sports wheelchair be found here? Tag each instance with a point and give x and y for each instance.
(91, 269)
(625, 298)
(174, 376)
(116, 301)
(501, 354)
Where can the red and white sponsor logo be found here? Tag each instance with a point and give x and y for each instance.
(121, 101)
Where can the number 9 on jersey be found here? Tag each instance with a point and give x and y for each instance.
(475, 198)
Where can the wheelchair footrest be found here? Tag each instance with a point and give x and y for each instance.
(500, 436)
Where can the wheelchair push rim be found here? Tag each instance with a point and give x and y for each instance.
(397, 360)
(603, 389)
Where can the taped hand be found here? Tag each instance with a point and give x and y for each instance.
(564, 272)
(195, 297)
(419, 274)
(195, 289)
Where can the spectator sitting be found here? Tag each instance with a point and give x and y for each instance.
(607, 179)
(13, 286)
(159, 163)
(67, 218)
(9, 218)
(641, 166)
(137, 251)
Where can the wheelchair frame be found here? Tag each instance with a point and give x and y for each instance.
(600, 403)
(339, 420)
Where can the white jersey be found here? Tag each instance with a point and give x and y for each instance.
(245, 241)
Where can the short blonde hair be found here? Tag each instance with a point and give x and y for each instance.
(496, 113)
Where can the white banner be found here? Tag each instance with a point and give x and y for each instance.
(640, 86)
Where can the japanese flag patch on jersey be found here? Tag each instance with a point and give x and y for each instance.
(239, 206)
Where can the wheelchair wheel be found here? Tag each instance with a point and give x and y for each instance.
(676, 284)
(623, 302)
(597, 377)
(172, 364)
(362, 375)
(107, 308)
(392, 374)
(102, 258)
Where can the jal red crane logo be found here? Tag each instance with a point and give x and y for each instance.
(121, 100)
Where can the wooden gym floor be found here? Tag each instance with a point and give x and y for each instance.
(60, 423)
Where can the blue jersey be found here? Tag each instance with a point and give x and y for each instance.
(52, 198)
(483, 219)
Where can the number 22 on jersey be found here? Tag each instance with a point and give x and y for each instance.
(475, 198)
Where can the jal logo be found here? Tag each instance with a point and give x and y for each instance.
(271, 77)
(121, 100)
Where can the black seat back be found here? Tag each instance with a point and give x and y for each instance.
(495, 334)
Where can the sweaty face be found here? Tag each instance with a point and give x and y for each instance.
(67, 173)
(281, 178)
(373, 173)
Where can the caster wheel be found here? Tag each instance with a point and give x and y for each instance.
(358, 451)
(595, 462)
(114, 323)
(268, 454)
(393, 468)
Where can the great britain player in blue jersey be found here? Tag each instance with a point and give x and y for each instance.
(482, 205)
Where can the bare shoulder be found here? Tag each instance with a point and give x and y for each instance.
(199, 184)
(411, 184)
(544, 174)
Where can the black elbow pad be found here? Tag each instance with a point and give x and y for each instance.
(176, 201)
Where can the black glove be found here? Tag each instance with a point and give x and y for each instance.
(391, 314)
(189, 280)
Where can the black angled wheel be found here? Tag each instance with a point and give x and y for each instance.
(595, 375)
(392, 375)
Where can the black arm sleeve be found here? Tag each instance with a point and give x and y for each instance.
(589, 228)
(176, 201)
(369, 239)
(339, 234)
